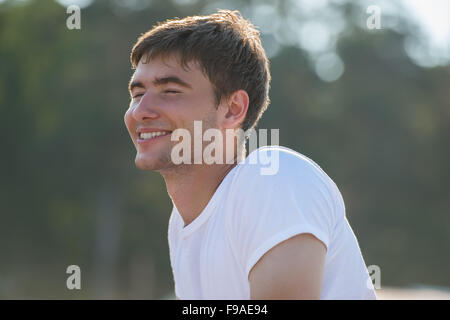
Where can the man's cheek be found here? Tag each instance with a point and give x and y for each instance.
(128, 121)
(125, 117)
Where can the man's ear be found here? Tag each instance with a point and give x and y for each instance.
(233, 110)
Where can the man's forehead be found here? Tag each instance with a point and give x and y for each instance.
(168, 66)
(171, 62)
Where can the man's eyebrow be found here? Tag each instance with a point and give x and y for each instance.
(158, 82)
(169, 79)
(135, 84)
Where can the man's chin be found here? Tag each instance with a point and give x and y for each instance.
(145, 163)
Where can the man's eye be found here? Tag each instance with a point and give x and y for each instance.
(171, 91)
(137, 95)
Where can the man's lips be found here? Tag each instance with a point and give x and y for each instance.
(148, 134)
(140, 130)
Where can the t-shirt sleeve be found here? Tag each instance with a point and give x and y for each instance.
(269, 209)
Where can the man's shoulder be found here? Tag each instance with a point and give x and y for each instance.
(280, 173)
(278, 162)
(298, 194)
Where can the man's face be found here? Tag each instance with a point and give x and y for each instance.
(165, 97)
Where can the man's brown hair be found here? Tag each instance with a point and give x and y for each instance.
(228, 48)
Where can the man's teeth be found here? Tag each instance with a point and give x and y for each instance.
(149, 135)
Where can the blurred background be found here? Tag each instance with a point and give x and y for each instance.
(371, 106)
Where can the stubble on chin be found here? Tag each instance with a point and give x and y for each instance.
(162, 162)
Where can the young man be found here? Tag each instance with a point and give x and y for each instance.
(234, 232)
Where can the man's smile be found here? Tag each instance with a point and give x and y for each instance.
(147, 134)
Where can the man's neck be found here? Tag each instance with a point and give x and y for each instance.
(191, 189)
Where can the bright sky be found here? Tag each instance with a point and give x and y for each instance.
(434, 15)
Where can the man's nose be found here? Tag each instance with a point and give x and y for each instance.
(146, 108)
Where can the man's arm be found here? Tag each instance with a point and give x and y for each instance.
(293, 269)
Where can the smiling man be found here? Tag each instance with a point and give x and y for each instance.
(235, 233)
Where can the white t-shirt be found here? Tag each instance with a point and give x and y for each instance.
(249, 214)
